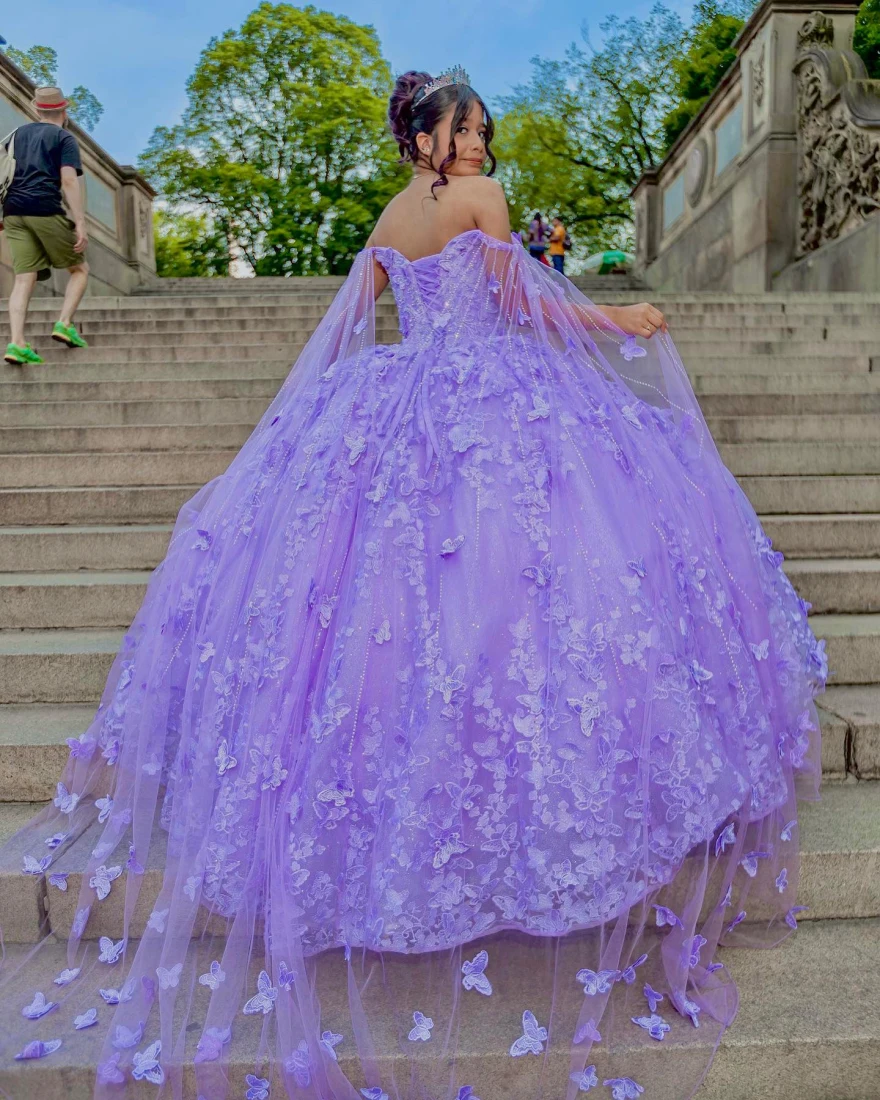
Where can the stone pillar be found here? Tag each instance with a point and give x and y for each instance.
(137, 223)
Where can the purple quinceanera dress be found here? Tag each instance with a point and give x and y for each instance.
(465, 718)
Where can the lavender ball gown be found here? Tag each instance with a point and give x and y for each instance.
(466, 717)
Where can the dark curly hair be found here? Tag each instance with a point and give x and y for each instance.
(410, 115)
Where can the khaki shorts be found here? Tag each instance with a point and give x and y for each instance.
(39, 243)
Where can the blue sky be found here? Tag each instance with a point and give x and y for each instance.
(136, 55)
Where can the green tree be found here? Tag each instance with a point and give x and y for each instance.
(284, 140)
(40, 63)
(707, 55)
(578, 136)
(189, 244)
(866, 37)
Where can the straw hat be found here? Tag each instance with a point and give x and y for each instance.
(50, 99)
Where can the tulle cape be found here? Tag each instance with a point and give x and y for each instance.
(463, 721)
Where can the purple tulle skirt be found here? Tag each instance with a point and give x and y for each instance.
(465, 718)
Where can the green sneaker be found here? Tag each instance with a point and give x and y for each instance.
(67, 334)
(20, 356)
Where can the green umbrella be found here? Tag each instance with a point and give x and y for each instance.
(603, 262)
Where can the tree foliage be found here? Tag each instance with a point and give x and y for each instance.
(866, 38)
(707, 55)
(578, 136)
(189, 244)
(575, 140)
(284, 140)
(40, 63)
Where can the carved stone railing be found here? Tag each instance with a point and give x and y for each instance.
(838, 115)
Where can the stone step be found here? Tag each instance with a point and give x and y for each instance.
(837, 585)
(814, 427)
(91, 598)
(41, 601)
(30, 444)
(850, 718)
(68, 548)
(28, 416)
(55, 666)
(121, 468)
(33, 748)
(54, 389)
(758, 405)
(694, 346)
(149, 504)
(784, 383)
(845, 535)
(79, 370)
(809, 1021)
(852, 643)
(58, 356)
(801, 457)
(840, 869)
(817, 495)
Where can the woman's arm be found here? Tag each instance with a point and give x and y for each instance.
(639, 320)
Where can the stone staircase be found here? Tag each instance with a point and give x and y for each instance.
(98, 450)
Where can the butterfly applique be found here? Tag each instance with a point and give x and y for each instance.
(329, 1041)
(623, 1088)
(655, 1025)
(214, 977)
(532, 1039)
(86, 1019)
(82, 747)
(596, 982)
(31, 866)
(157, 920)
(450, 546)
(667, 917)
(422, 1031)
(586, 1080)
(118, 996)
(299, 1064)
(588, 1031)
(474, 974)
(102, 879)
(726, 837)
(210, 1045)
(104, 806)
(169, 976)
(258, 1087)
(67, 976)
(264, 999)
(64, 800)
(381, 633)
(652, 997)
(124, 1038)
(224, 759)
(38, 1007)
(145, 1064)
(37, 1049)
(110, 951)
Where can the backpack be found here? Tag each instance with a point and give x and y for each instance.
(566, 244)
(7, 165)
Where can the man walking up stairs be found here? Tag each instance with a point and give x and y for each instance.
(96, 460)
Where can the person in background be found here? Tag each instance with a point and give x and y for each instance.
(538, 234)
(40, 233)
(557, 245)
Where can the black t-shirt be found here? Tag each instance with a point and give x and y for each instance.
(41, 151)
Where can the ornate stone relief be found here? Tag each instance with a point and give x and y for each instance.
(759, 77)
(838, 112)
(695, 171)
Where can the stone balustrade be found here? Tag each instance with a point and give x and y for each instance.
(775, 185)
(118, 200)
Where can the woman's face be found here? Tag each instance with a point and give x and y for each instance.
(470, 143)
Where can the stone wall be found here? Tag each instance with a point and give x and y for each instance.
(782, 160)
(119, 204)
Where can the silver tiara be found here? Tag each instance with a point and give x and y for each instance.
(456, 75)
